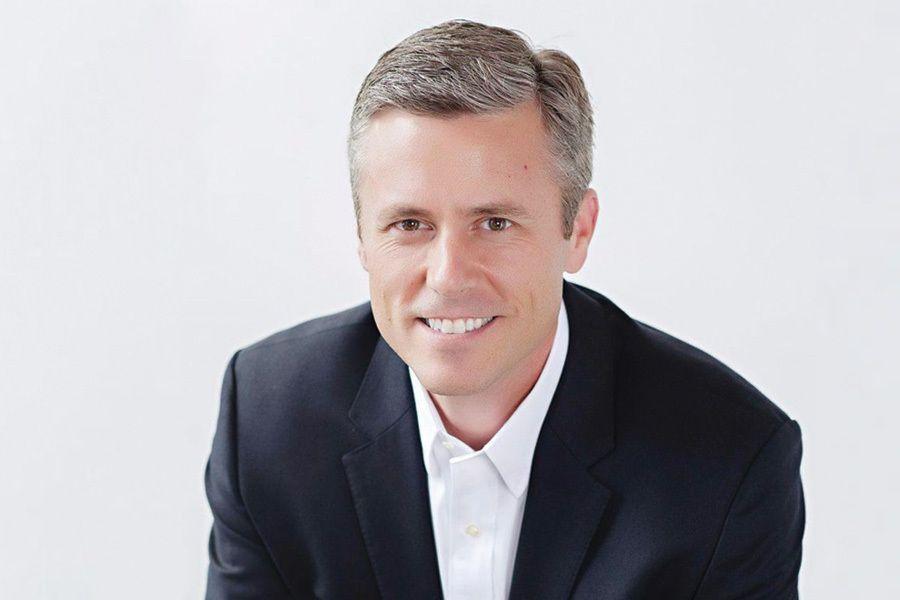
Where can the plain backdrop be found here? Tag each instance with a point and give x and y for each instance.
(173, 185)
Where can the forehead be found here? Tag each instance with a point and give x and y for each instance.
(407, 157)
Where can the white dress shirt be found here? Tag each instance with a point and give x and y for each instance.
(478, 498)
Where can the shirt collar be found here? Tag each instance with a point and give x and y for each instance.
(512, 448)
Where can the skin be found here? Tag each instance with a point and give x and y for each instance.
(462, 217)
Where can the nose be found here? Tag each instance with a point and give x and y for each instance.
(451, 265)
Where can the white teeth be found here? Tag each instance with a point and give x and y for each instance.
(454, 326)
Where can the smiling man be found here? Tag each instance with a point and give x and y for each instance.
(482, 428)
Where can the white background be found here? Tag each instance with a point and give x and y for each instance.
(173, 186)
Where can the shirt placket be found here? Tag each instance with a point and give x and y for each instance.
(473, 510)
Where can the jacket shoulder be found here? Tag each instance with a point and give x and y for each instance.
(318, 360)
(686, 365)
(680, 392)
(355, 317)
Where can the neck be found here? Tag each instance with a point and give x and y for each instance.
(474, 419)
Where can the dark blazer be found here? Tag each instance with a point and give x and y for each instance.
(659, 472)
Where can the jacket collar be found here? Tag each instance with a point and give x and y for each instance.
(565, 502)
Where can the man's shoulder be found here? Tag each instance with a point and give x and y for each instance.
(671, 381)
(354, 321)
(324, 351)
(683, 366)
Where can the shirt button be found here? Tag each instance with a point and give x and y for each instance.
(447, 445)
(472, 530)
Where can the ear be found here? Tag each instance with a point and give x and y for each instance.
(582, 231)
(361, 252)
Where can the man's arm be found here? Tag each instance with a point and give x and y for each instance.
(759, 549)
(239, 564)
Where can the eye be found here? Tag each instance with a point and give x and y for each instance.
(408, 225)
(498, 223)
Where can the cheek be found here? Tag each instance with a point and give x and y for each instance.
(526, 266)
(385, 268)
(392, 281)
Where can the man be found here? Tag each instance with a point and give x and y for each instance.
(483, 428)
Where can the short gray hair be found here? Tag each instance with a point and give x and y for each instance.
(461, 66)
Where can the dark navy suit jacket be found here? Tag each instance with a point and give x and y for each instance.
(659, 472)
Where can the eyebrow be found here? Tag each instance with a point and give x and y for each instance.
(411, 211)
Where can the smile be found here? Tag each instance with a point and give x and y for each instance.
(456, 326)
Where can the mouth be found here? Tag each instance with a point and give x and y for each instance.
(457, 328)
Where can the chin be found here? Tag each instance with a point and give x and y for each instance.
(450, 383)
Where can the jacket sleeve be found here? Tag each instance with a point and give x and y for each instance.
(240, 567)
(759, 549)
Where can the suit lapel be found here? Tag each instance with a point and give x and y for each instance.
(562, 511)
(565, 503)
(388, 482)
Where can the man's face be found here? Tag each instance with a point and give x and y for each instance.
(461, 220)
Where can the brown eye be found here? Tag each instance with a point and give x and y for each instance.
(498, 223)
(409, 224)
